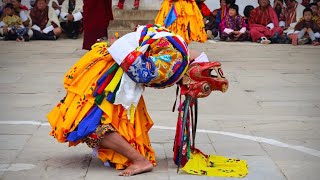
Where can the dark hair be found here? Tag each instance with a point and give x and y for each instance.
(312, 4)
(285, 1)
(230, 1)
(8, 5)
(307, 10)
(247, 10)
(278, 0)
(235, 7)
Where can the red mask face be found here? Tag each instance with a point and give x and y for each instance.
(203, 78)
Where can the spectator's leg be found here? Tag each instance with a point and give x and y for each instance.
(256, 34)
(243, 37)
(42, 36)
(223, 36)
(120, 4)
(136, 4)
(57, 31)
(66, 28)
(301, 34)
(312, 37)
(311, 34)
(76, 26)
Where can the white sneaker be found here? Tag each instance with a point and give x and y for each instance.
(264, 40)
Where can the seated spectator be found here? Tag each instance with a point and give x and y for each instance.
(71, 15)
(305, 3)
(315, 11)
(279, 9)
(292, 14)
(246, 12)
(305, 27)
(223, 11)
(13, 24)
(215, 20)
(45, 23)
(219, 15)
(20, 11)
(233, 26)
(264, 23)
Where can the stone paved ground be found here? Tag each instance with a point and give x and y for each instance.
(273, 94)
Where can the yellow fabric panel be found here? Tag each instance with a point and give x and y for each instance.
(212, 165)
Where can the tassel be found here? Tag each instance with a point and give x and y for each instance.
(115, 81)
(110, 70)
(105, 83)
(105, 79)
(132, 109)
(175, 102)
(112, 95)
(99, 98)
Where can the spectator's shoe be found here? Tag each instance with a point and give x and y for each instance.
(74, 37)
(264, 40)
(209, 34)
(303, 41)
(275, 38)
(26, 38)
(294, 38)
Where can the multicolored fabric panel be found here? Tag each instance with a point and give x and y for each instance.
(159, 61)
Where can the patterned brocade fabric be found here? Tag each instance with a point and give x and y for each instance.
(94, 139)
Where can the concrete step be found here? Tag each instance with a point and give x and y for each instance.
(128, 24)
(134, 14)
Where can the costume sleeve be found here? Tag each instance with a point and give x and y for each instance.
(274, 17)
(23, 16)
(77, 16)
(48, 29)
(64, 10)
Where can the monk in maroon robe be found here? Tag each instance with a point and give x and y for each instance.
(264, 23)
(96, 17)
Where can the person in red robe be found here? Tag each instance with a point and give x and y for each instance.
(264, 23)
(96, 17)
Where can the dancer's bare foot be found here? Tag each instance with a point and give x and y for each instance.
(138, 167)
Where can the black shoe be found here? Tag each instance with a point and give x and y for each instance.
(26, 38)
(275, 38)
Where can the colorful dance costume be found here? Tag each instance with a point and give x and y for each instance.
(184, 18)
(104, 91)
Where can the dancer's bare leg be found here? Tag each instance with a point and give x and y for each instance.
(116, 142)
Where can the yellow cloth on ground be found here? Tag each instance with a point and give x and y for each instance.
(80, 83)
(212, 165)
(189, 16)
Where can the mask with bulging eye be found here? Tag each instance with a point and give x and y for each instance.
(203, 78)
